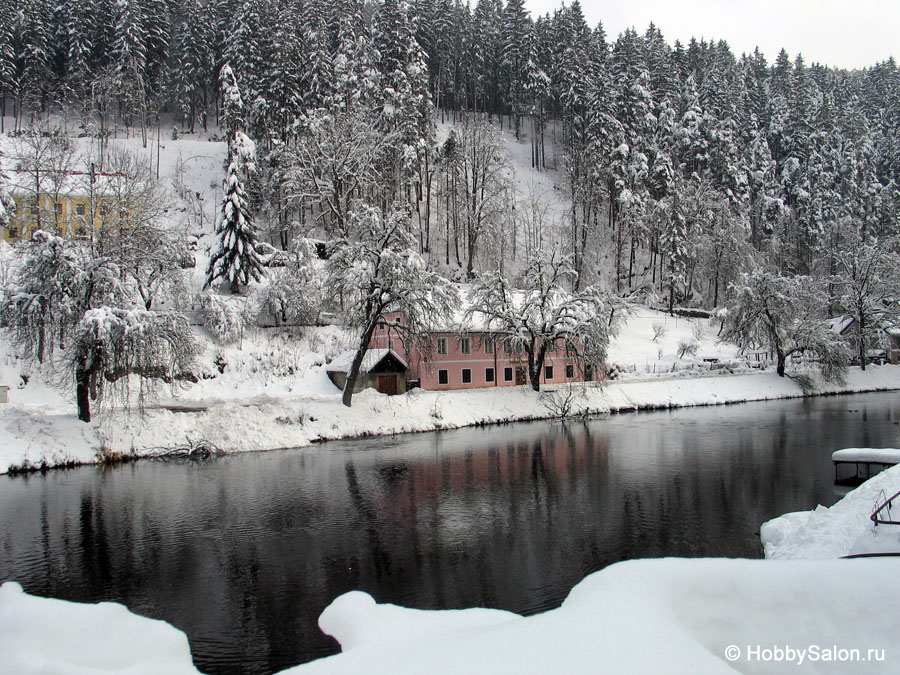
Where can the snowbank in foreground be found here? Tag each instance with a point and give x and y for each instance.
(641, 616)
(42, 635)
(843, 529)
(669, 615)
(30, 436)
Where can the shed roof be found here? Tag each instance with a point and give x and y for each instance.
(341, 363)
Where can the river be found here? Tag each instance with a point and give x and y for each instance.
(243, 552)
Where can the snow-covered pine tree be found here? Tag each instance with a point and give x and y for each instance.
(233, 118)
(515, 43)
(235, 259)
(157, 28)
(192, 65)
(129, 52)
(31, 39)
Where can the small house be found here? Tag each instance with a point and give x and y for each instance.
(381, 369)
(894, 350)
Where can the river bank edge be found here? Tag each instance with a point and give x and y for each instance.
(33, 438)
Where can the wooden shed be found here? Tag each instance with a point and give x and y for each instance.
(381, 369)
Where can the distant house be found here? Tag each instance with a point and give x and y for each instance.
(894, 345)
(461, 355)
(72, 204)
(759, 358)
(841, 324)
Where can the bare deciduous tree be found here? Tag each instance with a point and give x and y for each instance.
(379, 273)
(544, 314)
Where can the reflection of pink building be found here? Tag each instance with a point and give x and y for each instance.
(451, 359)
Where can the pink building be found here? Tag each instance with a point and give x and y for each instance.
(471, 357)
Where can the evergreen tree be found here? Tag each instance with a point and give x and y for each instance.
(235, 260)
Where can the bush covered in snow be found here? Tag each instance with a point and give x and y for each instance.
(220, 316)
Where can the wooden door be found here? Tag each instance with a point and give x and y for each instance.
(387, 384)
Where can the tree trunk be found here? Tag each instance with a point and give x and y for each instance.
(861, 328)
(82, 394)
(353, 373)
(782, 358)
(535, 364)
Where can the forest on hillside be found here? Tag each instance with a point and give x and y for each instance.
(688, 176)
(681, 160)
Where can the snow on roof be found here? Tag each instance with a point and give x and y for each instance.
(880, 455)
(840, 324)
(342, 362)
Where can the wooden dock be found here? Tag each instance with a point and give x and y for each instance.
(866, 462)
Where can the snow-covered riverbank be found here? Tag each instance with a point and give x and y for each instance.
(33, 435)
(844, 529)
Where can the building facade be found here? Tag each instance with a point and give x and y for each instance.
(473, 358)
(76, 204)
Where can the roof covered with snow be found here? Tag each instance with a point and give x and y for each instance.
(840, 324)
(342, 362)
(885, 455)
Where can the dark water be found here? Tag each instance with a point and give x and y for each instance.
(244, 552)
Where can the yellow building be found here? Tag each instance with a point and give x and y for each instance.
(74, 205)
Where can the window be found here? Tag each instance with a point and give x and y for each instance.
(442, 377)
(58, 207)
(548, 372)
(467, 375)
(79, 209)
(104, 209)
(570, 371)
(507, 375)
(33, 209)
(465, 345)
(442, 347)
(123, 213)
(488, 374)
(13, 232)
(589, 372)
(488, 345)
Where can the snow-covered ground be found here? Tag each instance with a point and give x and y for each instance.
(237, 418)
(43, 635)
(641, 616)
(269, 389)
(843, 529)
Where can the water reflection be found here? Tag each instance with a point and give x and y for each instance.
(243, 553)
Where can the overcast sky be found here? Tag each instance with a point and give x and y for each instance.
(843, 33)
